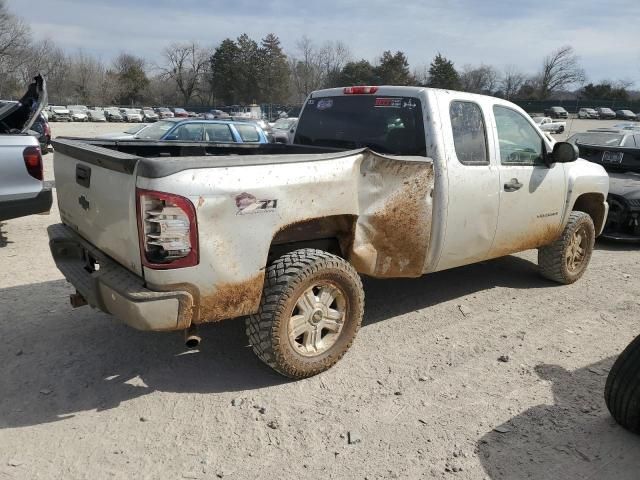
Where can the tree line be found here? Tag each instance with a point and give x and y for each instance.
(243, 71)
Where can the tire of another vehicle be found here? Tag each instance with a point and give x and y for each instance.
(565, 260)
(622, 390)
(319, 294)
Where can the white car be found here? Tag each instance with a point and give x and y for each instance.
(78, 115)
(546, 124)
(588, 113)
(131, 115)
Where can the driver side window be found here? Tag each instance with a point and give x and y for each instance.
(520, 143)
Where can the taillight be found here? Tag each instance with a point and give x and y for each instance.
(360, 90)
(168, 230)
(33, 161)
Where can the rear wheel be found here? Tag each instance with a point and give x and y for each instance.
(566, 259)
(311, 309)
(622, 390)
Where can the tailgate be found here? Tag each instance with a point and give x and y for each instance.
(96, 197)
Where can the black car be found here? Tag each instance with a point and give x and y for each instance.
(618, 151)
(556, 112)
(606, 113)
(626, 115)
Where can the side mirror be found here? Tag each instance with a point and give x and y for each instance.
(171, 137)
(564, 152)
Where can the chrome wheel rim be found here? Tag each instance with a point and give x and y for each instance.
(317, 319)
(577, 250)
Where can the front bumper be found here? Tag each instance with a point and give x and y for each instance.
(41, 203)
(115, 290)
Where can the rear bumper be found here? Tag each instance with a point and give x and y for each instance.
(41, 203)
(114, 289)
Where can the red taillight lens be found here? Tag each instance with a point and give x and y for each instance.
(360, 90)
(167, 230)
(33, 161)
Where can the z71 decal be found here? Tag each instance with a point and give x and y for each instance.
(248, 204)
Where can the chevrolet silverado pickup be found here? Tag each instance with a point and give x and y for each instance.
(385, 182)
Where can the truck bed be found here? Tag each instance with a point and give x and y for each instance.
(103, 152)
(377, 208)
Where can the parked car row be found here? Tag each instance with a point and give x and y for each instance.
(604, 113)
(82, 113)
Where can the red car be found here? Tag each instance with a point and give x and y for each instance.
(180, 113)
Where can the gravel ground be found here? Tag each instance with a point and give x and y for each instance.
(422, 394)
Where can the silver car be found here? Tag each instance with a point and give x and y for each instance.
(22, 189)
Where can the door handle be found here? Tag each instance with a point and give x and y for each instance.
(513, 185)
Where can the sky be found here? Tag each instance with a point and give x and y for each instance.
(496, 32)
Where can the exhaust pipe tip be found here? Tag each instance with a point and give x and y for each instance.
(191, 338)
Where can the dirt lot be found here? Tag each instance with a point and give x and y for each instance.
(422, 393)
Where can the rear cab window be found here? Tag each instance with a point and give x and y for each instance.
(469, 133)
(386, 124)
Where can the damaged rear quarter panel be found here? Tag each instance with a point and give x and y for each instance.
(394, 224)
(389, 198)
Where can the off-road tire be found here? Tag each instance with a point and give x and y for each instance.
(552, 259)
(286, 278)
(622, 390)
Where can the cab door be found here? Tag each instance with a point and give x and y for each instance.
(473, 182)
(532, 194)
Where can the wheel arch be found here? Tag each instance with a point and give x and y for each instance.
(594, 205)
(333, 234)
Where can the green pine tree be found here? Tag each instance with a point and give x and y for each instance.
(442, 74)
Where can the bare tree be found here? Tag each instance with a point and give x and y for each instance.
(332, 58)
(481, 79)
(86, 77)
(421, 74)
(512, 81)
(306, 69)
(185, 64)
(560, 69)
(15, 35)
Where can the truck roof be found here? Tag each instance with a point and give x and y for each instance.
(399, 91)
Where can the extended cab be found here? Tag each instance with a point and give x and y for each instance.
(386, 182)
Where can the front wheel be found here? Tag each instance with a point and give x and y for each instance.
(311, 310)
(566, 259)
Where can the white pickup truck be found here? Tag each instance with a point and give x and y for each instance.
(167, 236)
(547, 124)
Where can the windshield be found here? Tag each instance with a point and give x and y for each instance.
(155, 131)
(96, 113)
(385, 124)
(603, 139)
(135, 129)
(132, 111)
(284, 123)
(538, 120)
